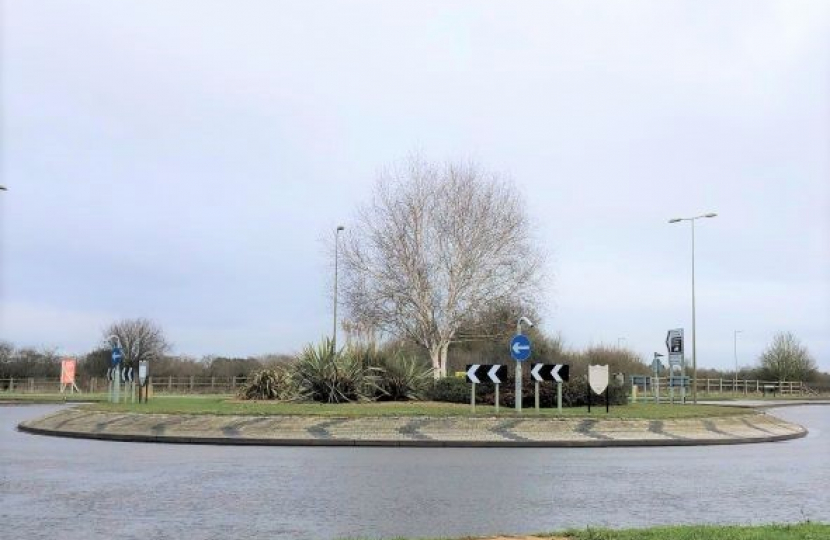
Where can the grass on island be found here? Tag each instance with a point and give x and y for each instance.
(799, 531)
(229, 405)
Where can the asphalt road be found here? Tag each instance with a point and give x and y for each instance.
(81, 489)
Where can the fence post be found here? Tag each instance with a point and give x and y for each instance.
(757, 386)
(212, 384)
(721, 385)
(11, 384)
(31, 385)
(233, 384)
(707, 385)
(169, 383)
(191, 384)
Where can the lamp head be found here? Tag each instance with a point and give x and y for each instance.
(711, 214)
(675, 220)
(341, 228)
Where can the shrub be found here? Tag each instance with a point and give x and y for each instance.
(326, 376)
(270, 384)
(403, 377)
(451, 390)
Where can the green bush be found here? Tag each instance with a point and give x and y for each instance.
(403, 377)
(327, 376)
(451, 390)
(277, 384)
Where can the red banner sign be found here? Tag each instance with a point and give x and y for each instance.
(68, 371)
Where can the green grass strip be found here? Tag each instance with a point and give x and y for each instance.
(222, 405)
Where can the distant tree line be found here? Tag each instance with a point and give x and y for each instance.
(25, 362)
(785, 359)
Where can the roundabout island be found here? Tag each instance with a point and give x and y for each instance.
(418, 424)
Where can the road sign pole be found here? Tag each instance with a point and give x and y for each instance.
(518, 386)
(116, 379)
(473, 397)
(537, 396)
(520, 351)
(497, 398)
(588, 389)
(559, 397)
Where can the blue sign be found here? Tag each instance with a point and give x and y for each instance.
(117, 356)
(520, 348)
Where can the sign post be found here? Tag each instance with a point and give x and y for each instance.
(494, 373)
(117, 356)
(143, 380)
(550, 372)
(598, 382)
(68, 375)
(520, 351)
(675, 347)
(657, 367)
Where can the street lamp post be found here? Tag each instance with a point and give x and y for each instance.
(334, 328)
(692, 220)
(619, 341)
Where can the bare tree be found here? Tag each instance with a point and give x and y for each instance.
(141, 339)
(435, 247)
(787, 360)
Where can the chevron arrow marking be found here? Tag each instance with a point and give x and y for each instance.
(535, 372)
(471, 373)
(492, 373)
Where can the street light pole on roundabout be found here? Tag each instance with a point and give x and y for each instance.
(692, 220)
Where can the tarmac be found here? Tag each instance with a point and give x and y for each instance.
(286, 430)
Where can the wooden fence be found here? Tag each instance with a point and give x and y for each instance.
(92, 385)
(230, 385)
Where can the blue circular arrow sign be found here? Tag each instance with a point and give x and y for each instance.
(117, 355)
(520, 348)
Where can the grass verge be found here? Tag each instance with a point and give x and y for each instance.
(799, 531)
(796, 531)
(226, 405)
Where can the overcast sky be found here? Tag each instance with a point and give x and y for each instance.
(182, 160)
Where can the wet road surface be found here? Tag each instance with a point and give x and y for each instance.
(80, 489)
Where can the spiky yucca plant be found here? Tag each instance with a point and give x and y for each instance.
(404, 378)
(276, 384)
(325, 375)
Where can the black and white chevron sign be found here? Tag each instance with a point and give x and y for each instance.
(550, 372)
(486, 373)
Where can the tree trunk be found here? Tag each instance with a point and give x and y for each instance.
(438, 355)
(435, 356)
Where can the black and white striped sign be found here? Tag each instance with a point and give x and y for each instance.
(550, 372)
(486, 373)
